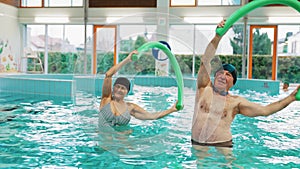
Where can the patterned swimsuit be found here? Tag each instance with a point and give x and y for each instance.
(107, 118)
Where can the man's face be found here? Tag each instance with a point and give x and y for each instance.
(223, 80)
(285, 86)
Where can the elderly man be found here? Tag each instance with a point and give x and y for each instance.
(215, 108)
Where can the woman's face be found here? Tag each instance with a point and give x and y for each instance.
(119, 91)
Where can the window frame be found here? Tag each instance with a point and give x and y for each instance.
(195, 5)
(43, 5)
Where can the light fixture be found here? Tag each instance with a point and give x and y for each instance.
(52, 19)
(194, 19)
(112, 19)
(1, 14)
(284, 19)
(125, 19)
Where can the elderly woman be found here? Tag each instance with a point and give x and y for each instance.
(114, 110)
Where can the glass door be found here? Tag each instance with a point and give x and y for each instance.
(262, 52)
(104, 48)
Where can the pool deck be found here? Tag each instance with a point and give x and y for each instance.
(64, 86)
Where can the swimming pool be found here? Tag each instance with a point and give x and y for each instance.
(47, 134)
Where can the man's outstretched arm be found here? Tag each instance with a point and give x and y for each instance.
(205, 66)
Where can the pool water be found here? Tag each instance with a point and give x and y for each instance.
(47, 134)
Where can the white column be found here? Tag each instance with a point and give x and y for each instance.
(162, 67)
(46, 51)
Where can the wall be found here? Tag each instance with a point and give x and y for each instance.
(69, 87)
(10, 39)
(52, 87)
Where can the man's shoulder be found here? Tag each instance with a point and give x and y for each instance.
(237, 98)
(207, 87)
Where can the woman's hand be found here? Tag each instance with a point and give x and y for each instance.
(132, 53)
(173, 108)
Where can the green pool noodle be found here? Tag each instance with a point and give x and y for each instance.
(251, 6)
(298, 95)
(145, 47)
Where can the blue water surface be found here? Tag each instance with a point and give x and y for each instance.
(47, 134)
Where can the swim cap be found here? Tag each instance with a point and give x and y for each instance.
(123, 81)
(230, 68)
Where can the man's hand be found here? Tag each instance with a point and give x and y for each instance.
(221, 24)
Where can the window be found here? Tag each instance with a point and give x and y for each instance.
(132, 37)
(204, 2)
(182, 2)
(181, 39)
(32, 60)
(189, 42)
(64, 45)
(62, 3)
(288, 37)
(288, 50)
(130, 33)
(31, 3)
(51, 3)
(35, 34)
(218, 2)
